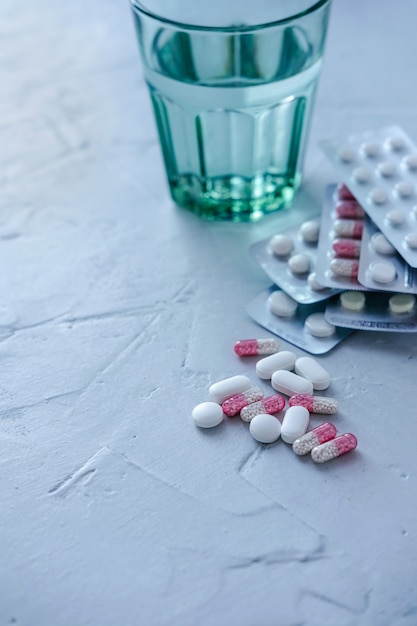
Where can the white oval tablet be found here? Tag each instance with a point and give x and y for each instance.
(314, 372)
(370, 149)
(290, 384)
(381, 244)
(411, 240)
(281, 245)
(318, 326)
(283, 360)
(295, 423)
(396, 143)
(223, 389)
(282, 304)
(310, 231)
(314, 284)
(265, 428)
(404, 189)
(346, 154)
(207, 414)
(378, 196)
(410, 162)
(386, 169)
(352, 300)
(361, 175)
(382, 272)
(299, 263)
(402, 303)
(396, 217)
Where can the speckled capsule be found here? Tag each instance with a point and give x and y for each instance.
(347, 248)
(348, 228)
(349, 209)
(346, 268)
(232, 406)
(256, 347)
(344, 193)
(311, 439)
(314, 404)
(271, 404)
(332, 449)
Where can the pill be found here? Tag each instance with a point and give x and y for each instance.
(410, 162)
(344, 193)
(382, 272)
(386, 169)
(361, 175)
(381, 244)
(395, 217)
(265, 428)
(352, 300)
(223, 389)
(295, 423)
(370, 149)
(310, 231)
(282, 304)
(284, 360)
(299, 263)
(313, 282)
(255, 347)
(402, 303)
(395, 143)
(346, 154)
(348, 209)
(308, 441)
(232, 406)
(281, 245)
(310, 368)
(318, 326)
(344, 268)
(410, 241)
(335, 447)
(271, 404)
(315, 404)
(347, 248)
(348, 228)
(404, 189)
(290, 384)
(378, 196)
(207, 414)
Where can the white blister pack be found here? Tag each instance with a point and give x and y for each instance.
(303, 325)
(373, 310)
(380, 265)
(289, 259)
(380, 169)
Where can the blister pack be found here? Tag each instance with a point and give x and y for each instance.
(373, 311)
(380, 265)
(303, 325)
(289, 260)
(380, 169)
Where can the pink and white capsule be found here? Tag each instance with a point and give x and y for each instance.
(332, 449)
(320, 434)
(347, 248)
(271, 404)
(349, 209)
(344, 193)
(256, 347)
(232, 406)
(348, 228)
(314, 404)
(345, 268)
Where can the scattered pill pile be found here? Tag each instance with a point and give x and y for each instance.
(295, 378)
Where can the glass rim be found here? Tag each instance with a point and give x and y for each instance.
(239, 28)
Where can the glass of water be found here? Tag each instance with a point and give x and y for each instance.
(232, 84)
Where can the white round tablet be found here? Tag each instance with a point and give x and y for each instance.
(361, 175)
(282, 304)
(395, 143)
(318, 326)
(410, 162)
(281, 245)
(402, 303)
(404, 189)
(378, 196)
(347, 154)
(381, 244)
(314, 284)
(395, 217)
(265, 428)
(386, 169)
(382, 272)
(352, 300)
(411, 241)
(207, 414)
(370, 149)
(310, 230)
(299, 263)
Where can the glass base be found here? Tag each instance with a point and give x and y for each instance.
(234, 198)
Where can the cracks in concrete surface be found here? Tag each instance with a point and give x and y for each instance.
(323, 598)
(81, 475)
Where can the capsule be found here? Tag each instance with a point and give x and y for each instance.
(348, 228)
(294, 424)
(314, 404)
(344, 193)
(334, 448)
(256, 347)
(349, 209)
(232, 406)
(271, 404)
(347, 248)
(320, 434)
(346, 268)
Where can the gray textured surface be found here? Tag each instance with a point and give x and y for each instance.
(118, 310)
